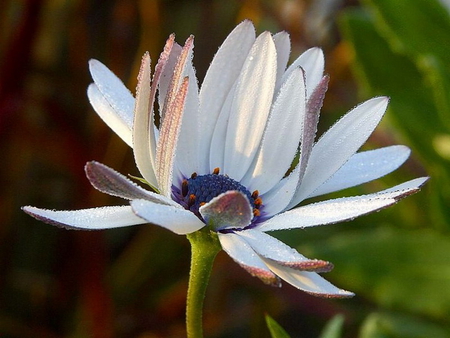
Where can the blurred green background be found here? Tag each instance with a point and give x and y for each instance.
(132, 282)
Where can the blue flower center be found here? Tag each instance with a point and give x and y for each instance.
(200, 189)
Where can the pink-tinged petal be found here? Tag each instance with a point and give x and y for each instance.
(111, 182)
(230, 209)
(309, 282)
(309, 129)
(341, 209)
(275, 250)
(144, 131)
(311, 118)
(364, 167)
(285, 118)
(177, 76)
(219, 79)
(283, 47)
(241, 252)
(168, 138)
(338, 145)
(313, 62)
(167, 74)
(120, 125)
(87, 219)
(187, 159)
(175, 219)
(250, 107)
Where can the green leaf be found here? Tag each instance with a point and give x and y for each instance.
(396, 268)
(387, 73)
(276, 331)
(333, 329)
(419, 88)
(414, 26)
(419, 28)
(382, 325)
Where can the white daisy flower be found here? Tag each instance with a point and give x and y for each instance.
(221, 156)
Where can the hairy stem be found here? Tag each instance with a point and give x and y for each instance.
(204, 246)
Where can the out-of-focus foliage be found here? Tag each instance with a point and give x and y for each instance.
(132, 282)
(333, 329)
(276, 331)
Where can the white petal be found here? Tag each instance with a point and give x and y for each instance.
(122, 127)
(341, 209)
(230, 209)
(277, 199)
(114, 91)
(241, 252)
(175, 219)
(339, 143)
(283, 46)
(111, 182)
(219, 79)
(364, 167)
(217, 146)
(312, 61)
(270, 247)
(309, 282)
(187, 158)
(144, 141)
(250, 107)
(88, 219)
(281, 137)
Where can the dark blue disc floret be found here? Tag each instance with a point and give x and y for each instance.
(203, 188)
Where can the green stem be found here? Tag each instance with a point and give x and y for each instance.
(205, 246)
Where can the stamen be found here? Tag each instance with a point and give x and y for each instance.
(184, 187)
(258, 202)
(256, 212)
(202, 203)
(191, 200)
(194, 175)
(216, 171)
(255, 194)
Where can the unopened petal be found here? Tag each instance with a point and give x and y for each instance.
(230, 209)
(175, 219)
(87, 219)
